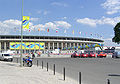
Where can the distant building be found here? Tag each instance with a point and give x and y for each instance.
(37, 43)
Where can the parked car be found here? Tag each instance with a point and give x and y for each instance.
(116, 54)
(92, 54)
(75, 54)
(6, 56)
(101, 55)
(84, 55)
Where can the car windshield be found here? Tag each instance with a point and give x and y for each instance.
(119, 53)
(85, 53)
(91, 52)
(6, 54)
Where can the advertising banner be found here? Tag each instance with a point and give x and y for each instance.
(27, 45)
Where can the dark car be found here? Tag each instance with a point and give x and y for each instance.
(75, 54)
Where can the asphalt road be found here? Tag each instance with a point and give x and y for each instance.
(94, 70)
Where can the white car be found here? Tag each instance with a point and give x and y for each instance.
(6, 56)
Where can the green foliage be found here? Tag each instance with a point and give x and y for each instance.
(116, 38)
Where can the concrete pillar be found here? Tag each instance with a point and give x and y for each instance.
(65, 45)
(0, 46)
(61, 45)
(53, 46)
(73, 44)
(48, 45)
(70, 45)
(5, 46)
(77, 44)
(57, 45)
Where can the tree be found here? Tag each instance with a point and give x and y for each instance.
(116, 38)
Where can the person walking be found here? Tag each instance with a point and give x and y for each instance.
(33, 55)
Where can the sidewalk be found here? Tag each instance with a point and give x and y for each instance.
(12, 73)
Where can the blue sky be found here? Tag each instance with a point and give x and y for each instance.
(88, 18)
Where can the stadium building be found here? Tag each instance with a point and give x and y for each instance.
(44, 43)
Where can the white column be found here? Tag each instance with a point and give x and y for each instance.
(4, 46)
(0, 46)
(57, 45)
(74, 44)
(53, 46)
(70, 45)
(61, 45)
(65, 45)
(48, 45)
(77, 44)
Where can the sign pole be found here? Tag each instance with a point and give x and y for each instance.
(21, 52)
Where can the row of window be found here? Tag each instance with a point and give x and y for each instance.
(48, 37)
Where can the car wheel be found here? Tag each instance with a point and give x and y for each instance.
(11, 60)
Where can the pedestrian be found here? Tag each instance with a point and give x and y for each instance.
(48, 54)
(33, 55)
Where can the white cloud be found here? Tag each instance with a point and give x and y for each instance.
(64, 18)
(51, 25)
(112, 6)
(9, 26)
(87, 21)
(34, 19)
(101, 21)
(43, 12)
(46, 12)
(59, 4)
(54, 25)
(62, 24)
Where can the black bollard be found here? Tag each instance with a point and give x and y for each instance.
(42, 64)
(64, 73)
(17, 60)
(47, 66)
(37, 63)
(79, 77)
(54, 69)
(108, 81)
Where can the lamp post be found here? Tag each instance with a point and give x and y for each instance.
(21, 51)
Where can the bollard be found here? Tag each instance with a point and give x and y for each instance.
(17, 60)
(47, 66)
(54, 69)
(79, 77)
(108, 81)
(23, 63)
(64, 73)
(37, 63)
(42, 64)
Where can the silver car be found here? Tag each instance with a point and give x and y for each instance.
(116, 54)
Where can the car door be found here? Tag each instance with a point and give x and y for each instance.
(1, 56)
